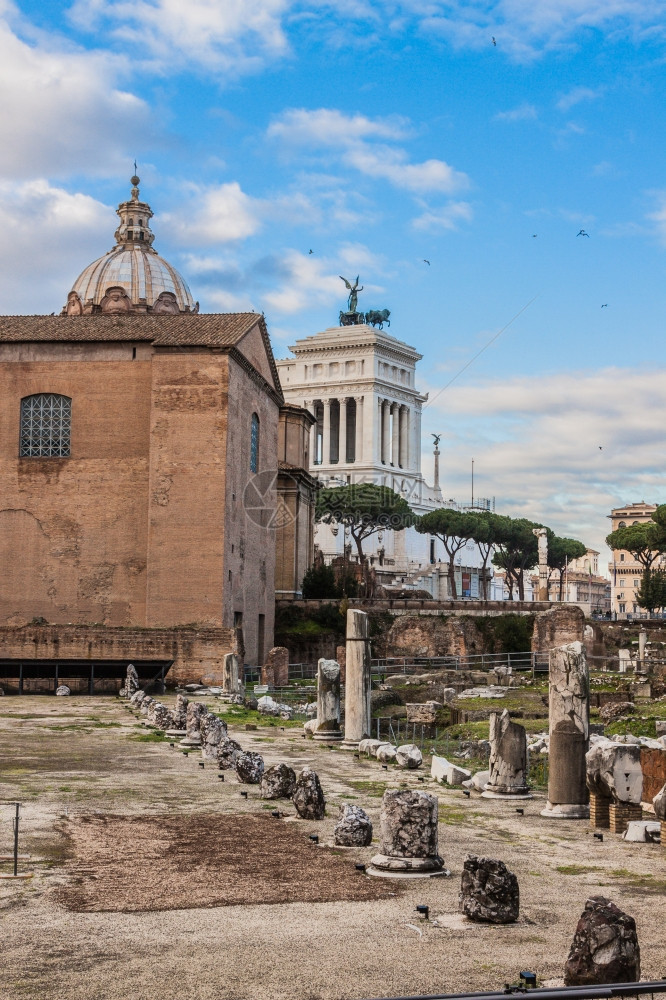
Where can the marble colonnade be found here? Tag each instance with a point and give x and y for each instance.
(340, 436)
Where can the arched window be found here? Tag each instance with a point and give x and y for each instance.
(254, 443)
(46, 423)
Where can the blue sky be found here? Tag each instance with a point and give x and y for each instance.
(379, 135)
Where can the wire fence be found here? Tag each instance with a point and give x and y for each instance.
(614, 991)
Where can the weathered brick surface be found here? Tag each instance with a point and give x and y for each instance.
(146, 523)
(621, 814)
(653, 766)
(599, 811)
(193, 652)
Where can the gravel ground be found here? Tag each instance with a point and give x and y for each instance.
(163, 833)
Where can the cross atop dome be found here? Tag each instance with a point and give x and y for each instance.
(132, 277)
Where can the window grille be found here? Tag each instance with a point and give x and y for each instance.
(46, 421)
(254, 444)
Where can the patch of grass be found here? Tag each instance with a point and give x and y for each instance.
(376, 788)
(637, 727)
(157, 736)
(65, 788)
(451, 815)
(577, 869)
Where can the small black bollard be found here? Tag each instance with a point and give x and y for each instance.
(529, 979)
(521, 812)
(420, 779)
(384, 767)
(185, 753)
(172, 745)
(424, 911)
(359, 868)
(221, 777)
(466, 792)
(314, 837)
(201, 764)
(598, 836)
(244, 794)
(276, 813)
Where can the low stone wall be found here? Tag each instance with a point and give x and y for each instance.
(192, 653)
(653, 766)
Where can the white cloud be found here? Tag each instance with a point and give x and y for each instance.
(350, 137)
(61, 109)
(47, 237)
(658, 217)
(560, 448)
(224, 36)
(577, 95)
(444, 218)
(219, 214)
(524, 112)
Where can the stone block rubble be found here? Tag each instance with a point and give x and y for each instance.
(489, 892)
(508, 757)
(308, 796)
(354, 828)
(604, 948)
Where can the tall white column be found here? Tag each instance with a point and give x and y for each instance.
(326, 434)
(379, 432)
(312, 443)
(342, 438)
(404, 437)
(395, 444)
(358, 454)
(386, 439)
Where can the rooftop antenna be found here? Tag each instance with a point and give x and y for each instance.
(472, 482)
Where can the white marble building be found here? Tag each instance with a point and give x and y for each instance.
(360, 385)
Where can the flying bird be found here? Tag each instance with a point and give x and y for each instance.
(310, 251)
(426, 262)
(600, 448)
(534, 235)
(583, 233)
(605, 305)
(493, 40)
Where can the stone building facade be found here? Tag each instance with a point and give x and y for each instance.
(135, 438)
(625, 571)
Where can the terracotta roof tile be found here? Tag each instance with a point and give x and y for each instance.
(195, 330)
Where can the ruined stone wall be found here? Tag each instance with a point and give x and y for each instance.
(73, 531)
(196, 653)
(453, 635)
(560, 625)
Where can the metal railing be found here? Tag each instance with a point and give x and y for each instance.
(650, 988)
(522, 662)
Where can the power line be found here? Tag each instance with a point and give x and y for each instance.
(479, 353)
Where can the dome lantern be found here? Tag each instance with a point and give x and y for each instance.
(132, 277)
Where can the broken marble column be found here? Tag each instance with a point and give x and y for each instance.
(308, 796)
(195, 711)
(275, 671)
(278, 782)
(227, 754)
(508, 758)
(489, 891)
(180, 713)
(131, 681)
(600, 798)
(358, 716)
(160, 716)
(568, 723)
(213, 732)
(137, 697)
(231, 674)
(328, 701)
(249, 767)
(354, 828)
(408, 825)
(605, 947)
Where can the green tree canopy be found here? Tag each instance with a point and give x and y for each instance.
(453, 528)
(560, 553)
(652, 592)
(645, 541)
(365, 509)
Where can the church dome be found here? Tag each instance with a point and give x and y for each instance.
(132, 277)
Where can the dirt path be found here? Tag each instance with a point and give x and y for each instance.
(181, 837)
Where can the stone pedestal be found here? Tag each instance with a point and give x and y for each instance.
(599, 811)
(358, 716)
(328, 701)
(508, 759)
(408, 836)
(275, 671)
(568, 718)
(621, 814)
